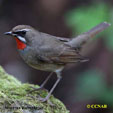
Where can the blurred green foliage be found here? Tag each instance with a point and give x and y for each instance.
(84, 18)
(91, 85)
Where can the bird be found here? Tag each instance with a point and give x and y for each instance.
(50, 53)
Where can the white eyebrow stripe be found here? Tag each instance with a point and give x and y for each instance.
(23, 30)
(21, 38)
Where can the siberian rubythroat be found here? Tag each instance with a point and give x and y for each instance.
(50, 53)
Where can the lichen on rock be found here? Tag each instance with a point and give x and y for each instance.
(15, 97)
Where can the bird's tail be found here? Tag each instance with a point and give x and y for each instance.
(81, 39)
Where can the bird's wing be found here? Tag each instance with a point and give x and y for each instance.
(67, 56)
(60, 53)
(56, 50)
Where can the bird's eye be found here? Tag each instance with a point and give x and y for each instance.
(20, 33)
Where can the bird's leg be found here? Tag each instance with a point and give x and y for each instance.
(54, 86)
(43, 84)
(46, 80)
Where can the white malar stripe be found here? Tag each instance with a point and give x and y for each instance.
(21, 39)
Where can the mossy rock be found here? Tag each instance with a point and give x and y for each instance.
(15, 97)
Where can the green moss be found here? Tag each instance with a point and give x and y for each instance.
(15, 97)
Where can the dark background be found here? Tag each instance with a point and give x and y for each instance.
(85, 83)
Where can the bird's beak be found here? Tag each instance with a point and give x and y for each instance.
(8, 33)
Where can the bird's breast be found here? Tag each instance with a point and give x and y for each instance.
(30, 58)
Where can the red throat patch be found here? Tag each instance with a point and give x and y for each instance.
(20, 44)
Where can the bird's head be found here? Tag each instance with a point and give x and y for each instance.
(23, 35)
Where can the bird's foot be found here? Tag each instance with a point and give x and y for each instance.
(37, 89)
(45, 100)
(42, 99)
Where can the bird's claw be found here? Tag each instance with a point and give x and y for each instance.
(42, 99)
(45, 100)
